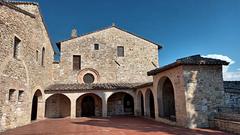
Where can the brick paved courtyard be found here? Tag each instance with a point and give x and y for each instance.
(108, 126)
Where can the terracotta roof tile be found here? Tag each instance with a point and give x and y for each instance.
(94, 86)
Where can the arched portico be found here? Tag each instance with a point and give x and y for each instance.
(57, 106)
(36, 105)
(166, 99)
(89, 105)
(149, 100)
(120, 103)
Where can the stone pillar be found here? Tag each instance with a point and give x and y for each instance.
(144, 104)
(104, 106)
(73, 108)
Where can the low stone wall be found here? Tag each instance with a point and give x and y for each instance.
(232, 93)
(227, 125)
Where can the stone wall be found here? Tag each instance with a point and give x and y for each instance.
(198, 91)
(204, 93)
(23, 73)
(232, 94)
(139, 55)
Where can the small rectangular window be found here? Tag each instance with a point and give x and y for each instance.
(16, 47)
(96, 46)
(37, 55)
(11, 96)
(76, 62)
(20, 96)
(120, 51)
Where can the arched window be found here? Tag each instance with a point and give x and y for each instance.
(43, 56)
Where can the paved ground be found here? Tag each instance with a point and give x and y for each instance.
(109, 126)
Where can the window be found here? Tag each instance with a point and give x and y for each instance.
(120, 51)
(11, 95)
(16, 47)
(43, 56)
(36, 55)
(88, 78)
(20, 95)
(76, 62)
(96, 46)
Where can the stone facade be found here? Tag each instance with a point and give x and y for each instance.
(138, 57)
(23, 73)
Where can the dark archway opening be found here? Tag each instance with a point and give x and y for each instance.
(120, 103)
(36, 98)
(152, 108)
(142, 106)
(150, 103)
(168, 100)
(88, 106)
(34, 108)
(128, 104)
(58, 106)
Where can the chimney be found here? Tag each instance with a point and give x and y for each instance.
(74, 33)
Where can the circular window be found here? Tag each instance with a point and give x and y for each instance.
(88, 78)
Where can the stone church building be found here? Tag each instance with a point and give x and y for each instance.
(109, 72)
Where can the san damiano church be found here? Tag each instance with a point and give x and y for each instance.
(108, 72)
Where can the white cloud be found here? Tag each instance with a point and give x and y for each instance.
(227, 75)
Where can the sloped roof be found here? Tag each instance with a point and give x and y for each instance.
(93, 86)
(23, 2)
(191, 60)
(114, 26)
(11, 5)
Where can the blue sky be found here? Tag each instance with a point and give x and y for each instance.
(183, 27)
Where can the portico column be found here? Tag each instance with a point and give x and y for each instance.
(104, 106)
(73, 108)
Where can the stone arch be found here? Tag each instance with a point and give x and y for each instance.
(89, 105)
(36, 105)
(166, 99)
(140, 103)
(86, 71)
(150, 108)
(120, 103)
(57, 106)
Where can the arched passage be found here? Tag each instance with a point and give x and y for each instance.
(58, 106)
(36, 103)
(166, 99)
(140, 103)
(89, 105)
(150, 109)
(120, 103)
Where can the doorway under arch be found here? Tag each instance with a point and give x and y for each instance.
(36, 100)
(166, 99)
(150, 109)
(89, 105)
(58, 106)
(120, 103)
